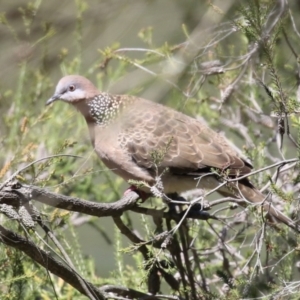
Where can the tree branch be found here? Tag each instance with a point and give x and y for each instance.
(44, 259)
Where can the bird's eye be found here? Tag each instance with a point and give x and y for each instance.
(72, 88)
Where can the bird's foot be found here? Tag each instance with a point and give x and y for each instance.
(197, 214)
(197, 211)
(143, 195)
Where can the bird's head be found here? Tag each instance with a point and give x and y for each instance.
(73, 89)
(95, 106)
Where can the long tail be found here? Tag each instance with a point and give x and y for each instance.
(246, 190)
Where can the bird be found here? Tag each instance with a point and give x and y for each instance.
(141, 140)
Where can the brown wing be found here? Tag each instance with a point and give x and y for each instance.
(188, 144)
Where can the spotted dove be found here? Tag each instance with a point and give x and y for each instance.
(129, 133)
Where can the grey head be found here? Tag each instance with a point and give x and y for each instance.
(74, 89)
(97, 107)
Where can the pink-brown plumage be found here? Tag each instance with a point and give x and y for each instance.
(127, 130)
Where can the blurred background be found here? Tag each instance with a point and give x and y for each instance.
(43, 40)
(200, 57)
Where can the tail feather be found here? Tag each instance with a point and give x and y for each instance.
(246, 191)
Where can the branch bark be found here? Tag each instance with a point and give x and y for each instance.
(44, 259)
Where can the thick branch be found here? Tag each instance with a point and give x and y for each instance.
(70, 203)
(83, 206)
(16, 241)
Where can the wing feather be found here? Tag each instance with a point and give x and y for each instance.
(189, 145)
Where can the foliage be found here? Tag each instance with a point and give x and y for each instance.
(236, 66)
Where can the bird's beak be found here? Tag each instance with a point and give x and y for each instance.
(52, 99)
